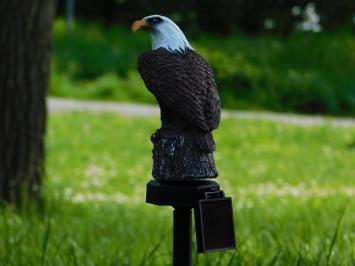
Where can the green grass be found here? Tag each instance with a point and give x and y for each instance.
(308, 72)
(292, 187)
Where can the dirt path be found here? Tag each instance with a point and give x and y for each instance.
(56, 105)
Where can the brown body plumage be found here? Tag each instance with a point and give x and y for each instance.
(184, 86)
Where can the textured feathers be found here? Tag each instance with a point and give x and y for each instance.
(184, 86)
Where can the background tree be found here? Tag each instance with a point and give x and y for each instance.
(221, 17)
(25, 34)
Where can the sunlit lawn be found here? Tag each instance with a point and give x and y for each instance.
(293, 190)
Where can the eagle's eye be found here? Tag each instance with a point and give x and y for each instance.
(155, 20)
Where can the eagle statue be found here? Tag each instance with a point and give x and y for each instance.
(183, 84)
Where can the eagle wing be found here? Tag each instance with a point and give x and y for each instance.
(184, 82)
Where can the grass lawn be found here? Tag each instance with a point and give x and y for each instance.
(293, 190)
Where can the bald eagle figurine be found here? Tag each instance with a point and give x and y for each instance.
(184, 86)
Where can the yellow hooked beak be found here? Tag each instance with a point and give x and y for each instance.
(138, 24)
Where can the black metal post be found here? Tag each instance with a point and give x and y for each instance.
(214, 219)
(182, 243)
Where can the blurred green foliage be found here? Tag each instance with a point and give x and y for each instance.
(308, 72)
(93, 63)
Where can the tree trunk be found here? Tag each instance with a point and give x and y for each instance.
(25, 37)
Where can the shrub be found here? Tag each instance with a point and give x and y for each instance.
(309, 73)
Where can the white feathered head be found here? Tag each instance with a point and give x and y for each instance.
(164, 33)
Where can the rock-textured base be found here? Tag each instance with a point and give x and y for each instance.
(176, 157)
